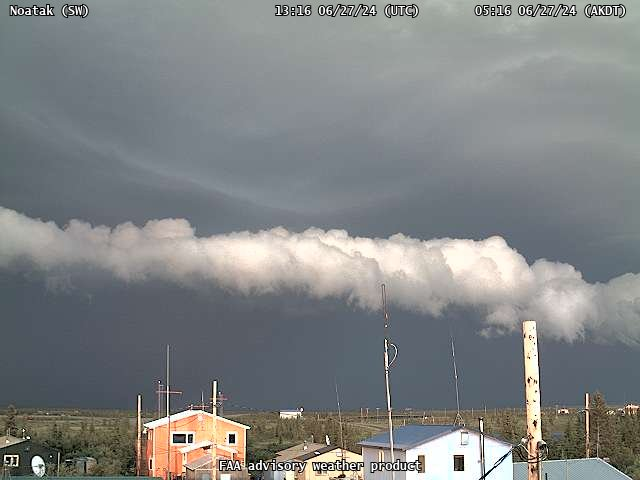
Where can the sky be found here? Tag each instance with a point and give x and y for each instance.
(506, 147)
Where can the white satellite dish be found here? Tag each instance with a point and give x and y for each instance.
(38, 466)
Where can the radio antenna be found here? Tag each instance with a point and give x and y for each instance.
(459, 420)
(342, 447)
(388, 364)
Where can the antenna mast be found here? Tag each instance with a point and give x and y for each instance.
(388, 364)
(342, 447)
(459, 420)
(339, 417)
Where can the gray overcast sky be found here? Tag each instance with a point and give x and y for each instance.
(447, 125)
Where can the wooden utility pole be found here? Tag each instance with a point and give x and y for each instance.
(587, 449)
(139, 437)
(532, 398)
(214, 428)
(160, 391)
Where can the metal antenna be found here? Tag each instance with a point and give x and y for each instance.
(339, 416)
(388, 364)
(459, 420)
(342, 447)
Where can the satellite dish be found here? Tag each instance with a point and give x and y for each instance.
(38, 466)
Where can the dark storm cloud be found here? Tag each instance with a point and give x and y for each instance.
(333, 113)
(446, 125)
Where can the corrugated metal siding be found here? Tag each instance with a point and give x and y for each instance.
(573, 469)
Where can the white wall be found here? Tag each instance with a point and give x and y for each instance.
(288, 414)
(439, 459)
(370, 454)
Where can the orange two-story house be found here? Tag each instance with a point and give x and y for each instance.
(191, 438)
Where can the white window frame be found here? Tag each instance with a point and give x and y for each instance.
(234, 444)
(11, 459)
(186, 433)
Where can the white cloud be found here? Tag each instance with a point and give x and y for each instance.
(422, 275)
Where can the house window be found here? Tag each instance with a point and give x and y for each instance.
(181, 438)
(231, 438)
(420, 463)
(464, 437)
(458, 463)
(151, 464)
(12, 460)
(381, 455)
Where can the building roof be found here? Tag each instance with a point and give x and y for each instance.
(301, 454)
(201, 463)
(314, 453)
(297, 450)
(197, 445)
(206, 444)
(572, 469)
(188, 413)
(409, 436)
(8, 440)
(198, 463)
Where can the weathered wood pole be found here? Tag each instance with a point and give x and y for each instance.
(139, 437)
(587, 449)
(214, 429)
(532, 397)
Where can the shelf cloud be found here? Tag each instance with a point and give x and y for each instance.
(424, 276)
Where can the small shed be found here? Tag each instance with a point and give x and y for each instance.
(200, 469)
(81, 465)
(291, 413)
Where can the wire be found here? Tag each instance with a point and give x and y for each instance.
(498, 462)
(530, 460)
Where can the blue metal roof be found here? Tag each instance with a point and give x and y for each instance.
(409, 436)
(572, 469)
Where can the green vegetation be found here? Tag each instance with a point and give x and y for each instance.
(109, 436)
(612, 436)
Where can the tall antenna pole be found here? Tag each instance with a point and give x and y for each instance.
(458, 420)
(387, 364)
(532, 398)
(342, 448)
(168, 421)
(339, 417)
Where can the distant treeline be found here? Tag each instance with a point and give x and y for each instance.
(110, 436)
(111, 441)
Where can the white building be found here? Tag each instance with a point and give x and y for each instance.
(297, 413)
(443, 452)
(308, 456)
